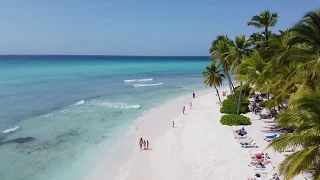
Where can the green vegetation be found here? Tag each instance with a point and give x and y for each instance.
(213, 77)
(287, 65)
(234, 120)
(229, 106)
(264, 104)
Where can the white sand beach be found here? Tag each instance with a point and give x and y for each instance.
(199, 148)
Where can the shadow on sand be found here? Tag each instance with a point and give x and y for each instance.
(149, 149)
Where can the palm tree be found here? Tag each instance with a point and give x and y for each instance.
(303, 115)
(256, 39)
(213, 77)
(219, 51)
(252, 70)
(264, 20)
(238, 52)
(306, 41)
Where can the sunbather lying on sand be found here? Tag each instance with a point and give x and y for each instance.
(242, 129)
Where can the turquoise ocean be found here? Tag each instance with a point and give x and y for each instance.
(60, 114)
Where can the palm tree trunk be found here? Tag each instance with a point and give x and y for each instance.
(239, 101)
(225, 74)
(218, 94)
(231, 85)
(266, 35)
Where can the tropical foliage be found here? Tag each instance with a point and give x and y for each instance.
(234, 120)
(285, 64)
(229, 106)
(213, 77)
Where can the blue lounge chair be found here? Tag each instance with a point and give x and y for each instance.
(272, 136)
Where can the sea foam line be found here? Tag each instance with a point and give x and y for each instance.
(79, 102)
(11, 130)
(137, 80)
(116, 105)
(145, 85)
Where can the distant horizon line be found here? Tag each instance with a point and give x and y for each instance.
(99, 55)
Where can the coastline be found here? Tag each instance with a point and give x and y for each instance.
(199, 148)
(149, 125)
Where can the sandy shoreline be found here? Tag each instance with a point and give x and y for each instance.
(200, 148)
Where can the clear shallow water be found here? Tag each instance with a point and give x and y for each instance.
(77, 108)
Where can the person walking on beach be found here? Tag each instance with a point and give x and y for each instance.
(183, 109)
(194, 95)
(144, 144)
(173, 124)
(190, 105)
(140, 143)
(147, 144)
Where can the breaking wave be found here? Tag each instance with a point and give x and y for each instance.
(79, 102)
(116, 105)
(145, 85)
(137, 80)
(10, 130)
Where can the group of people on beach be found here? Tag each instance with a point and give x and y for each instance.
(184, 108)
(143, 143)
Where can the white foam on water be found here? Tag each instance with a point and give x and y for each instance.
(137, 80)
(79, 102)
(10, 130)
(64, 111)
(116, 105)
(146, 85)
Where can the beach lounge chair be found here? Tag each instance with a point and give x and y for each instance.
(236, 136)
(251, 144)
(271, 175)
(271, 138)
(267, 168)
(308, 174)
(277, 129)
(287, 152)
(259, 156)
(269, 120)
(252, 154)
(256, 162)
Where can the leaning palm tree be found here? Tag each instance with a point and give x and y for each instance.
(303, 115)
(264, 20)
(219, 51)
(213, 77)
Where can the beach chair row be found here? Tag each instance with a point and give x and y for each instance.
(244, 140)
(262, 166)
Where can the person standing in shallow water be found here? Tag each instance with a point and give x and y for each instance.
(144, 144)
(147, 144)
(194, 95)
(183, 109)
